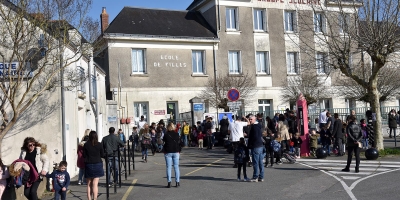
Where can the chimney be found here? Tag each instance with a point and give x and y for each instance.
(104, 20)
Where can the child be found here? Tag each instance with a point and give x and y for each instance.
(61, 181)
(268, 147)
(326, 139)
(297, 141)
(364, 133)
(241, 157)
(4, 174)
(291, 144)
(278, 153)
(313, 142)
(200, 137)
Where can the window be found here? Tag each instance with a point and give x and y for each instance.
(231, 19)
(262, 62)
(138, 61)
(198, 62)
(234, 62)
(319, 23)
(265, 106)
(259, 20)
(322, 63)
(292, 63)
(344, 22)
(290, 21)
(94, 87)
(82, 79)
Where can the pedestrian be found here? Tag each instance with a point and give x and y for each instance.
(269, 149)
(313, 141)
(121, 136)
(200, 137)
(111, 144)
(146, 144)
(93, 152)
(337, 135)
(392, 121)
(364, 134)
(224, 126)
(154, 145)
(326, 139)
(235, 130)
(322, 118)
(352, 113)
(241, 158)
(208, 128)
(171, 153)
(80, 162)
(186, 130)
(297, 141)
(36, 153)
(194, 135)
(354, 137)
(141, 123)
(134, 138)
(61, 181)
(256, 145)
(4, 175)
(283, 132)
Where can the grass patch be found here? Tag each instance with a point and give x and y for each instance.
(389, 151)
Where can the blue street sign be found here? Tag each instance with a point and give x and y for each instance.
(198, 107)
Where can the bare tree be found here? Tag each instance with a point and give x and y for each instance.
(344, 28)
(216, 90)
(39, 41)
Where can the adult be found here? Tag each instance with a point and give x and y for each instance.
(141, 123)
(256, 145)
(352, 113)
(322, 118)
(186, 130)
(235, 130)
(111, 144)
(330, 122)
(121, 136)
(146, 145)
(354, 137)
(36, 154)
(392, 120)
(271, 124)
(224, 126)
(171, 153)
(260, 120)
(80, 162)
(337, 134)
(283, 132)
(93, 152)
(208, 132)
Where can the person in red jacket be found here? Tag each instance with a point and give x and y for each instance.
(200, 137)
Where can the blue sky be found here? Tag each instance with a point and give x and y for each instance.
(113, 7)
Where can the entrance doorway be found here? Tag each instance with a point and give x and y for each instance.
(172, 110)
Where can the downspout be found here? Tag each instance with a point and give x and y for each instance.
(64, 134)
(94, 107)
(219, 19)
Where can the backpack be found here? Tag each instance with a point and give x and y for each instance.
(275, 145)
(240, 155)
(21, 179)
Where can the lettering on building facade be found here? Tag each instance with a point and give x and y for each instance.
(169, 61)
(314, 2)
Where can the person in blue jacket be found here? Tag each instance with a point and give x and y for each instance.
(61, 181)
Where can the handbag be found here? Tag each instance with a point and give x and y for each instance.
(146, 141)
(179, 144)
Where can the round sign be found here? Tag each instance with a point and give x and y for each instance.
(233, 94)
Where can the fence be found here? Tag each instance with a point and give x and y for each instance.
(313, 113)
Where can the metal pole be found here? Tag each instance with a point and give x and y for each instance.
(120, 167)
(107, 178)
(129, 158)
(126, 173)
(115, 172)
(133, 154)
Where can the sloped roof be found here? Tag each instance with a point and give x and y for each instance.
(142, 21)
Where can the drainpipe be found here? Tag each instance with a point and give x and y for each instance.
(64, 134)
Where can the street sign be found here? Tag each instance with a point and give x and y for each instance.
(234, 104)
(233, 94)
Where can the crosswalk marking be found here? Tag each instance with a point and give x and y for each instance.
(350, 177)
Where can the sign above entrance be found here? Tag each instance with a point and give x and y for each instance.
(233, 94)
(159, 112)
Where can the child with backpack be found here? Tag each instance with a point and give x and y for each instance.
(61, 181)
(313, 142)
(241, 158)
(4, 174)
(270, 151)
(276, 147)
(297, 141)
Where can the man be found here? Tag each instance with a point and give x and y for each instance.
(121, 136)
(352, 113)
(111, 144)
(186, 129)
(142, 122)
(354, 137)
(224, 126)
(322, 119)
(261, 121)
(257, 149)
(235, 130)
(330, 122)
(337, 134)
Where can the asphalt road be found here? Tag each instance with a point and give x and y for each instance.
(208, 174)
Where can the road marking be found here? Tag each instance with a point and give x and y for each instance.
(344, 161)
(129, 189)
(203, 167)
(350, 177)
(352, 173)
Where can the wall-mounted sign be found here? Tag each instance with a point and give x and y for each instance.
(112, 119)
(169, 61)
(315, 2)
(7, 69)
(159, 112)
(198, 107)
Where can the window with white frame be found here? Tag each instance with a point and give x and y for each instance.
(344, 22)
(322, 63)
(259, 20)
(82, 79)
(290, 21)
(138, 61)
(231, 19)
(198, 61)
(292, 62)
(234, 62)
(319, 23)
(262, 62)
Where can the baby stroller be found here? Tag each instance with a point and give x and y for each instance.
(289, 157)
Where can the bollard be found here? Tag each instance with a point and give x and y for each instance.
(107, 178)
(129, 159)
(126, 173)
(133, 155)
(115, 173)
(370, 129)
(120, 168)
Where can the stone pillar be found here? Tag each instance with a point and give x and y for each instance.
(112, 115)
(197, 109)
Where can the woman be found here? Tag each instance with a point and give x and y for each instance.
(392, 122)
(81, 161)
(171, 153)
(208, 127)
(283, 132)
(93, 152)
(35, 153)
(354, 137)
(146, 144)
